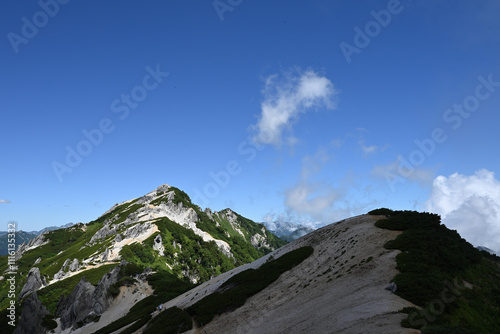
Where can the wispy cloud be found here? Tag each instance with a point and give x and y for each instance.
(393, 173)
(367, 149)
(5, 201)
(311, 198)
(285, 98)
(470, 205)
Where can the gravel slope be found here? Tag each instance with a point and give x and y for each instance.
(330, 292)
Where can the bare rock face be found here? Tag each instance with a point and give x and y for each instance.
(33, 243)
(136, 230)
(102, 233)
(67, 265)
(74, 265)
(33, 283)
(32, 316)
(158, 245)
(87, 302)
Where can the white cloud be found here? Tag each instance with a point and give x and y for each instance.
(4, 201)
(367, 149)
(286, 99)
(313, 199)
(470, 205)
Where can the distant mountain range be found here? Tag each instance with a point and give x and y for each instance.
(286, 230)
(23, 236)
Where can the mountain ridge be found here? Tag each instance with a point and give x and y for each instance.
(221, 272)
(162, 229)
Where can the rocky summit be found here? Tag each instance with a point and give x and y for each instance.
(74, 269)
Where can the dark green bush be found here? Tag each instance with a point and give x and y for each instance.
(431, 257)
(48, 322)
(381, 211)
(171, 321)
(236, 290)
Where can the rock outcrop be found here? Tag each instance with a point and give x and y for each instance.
(33, 283)
(102, 233)
(32, 316)
(158, 245)
(74, 265)
(68, 265)
(33, 243)
(87, 302)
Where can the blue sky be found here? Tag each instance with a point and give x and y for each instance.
(305, 110)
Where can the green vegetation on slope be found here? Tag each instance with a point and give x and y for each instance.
(221, 229)
(63, 244)
(190, 255)
(457, 286)
(21, 237)
(50, 295)
(166, 287)
(186, 254)
(236, 290)
(171, 321)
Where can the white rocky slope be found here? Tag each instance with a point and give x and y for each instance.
(140, 225)
(338, 289)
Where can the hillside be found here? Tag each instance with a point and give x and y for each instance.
(159, 264)
(25, 236)
(161, 230)
(338, 289)
(340, 285)
(21, 237)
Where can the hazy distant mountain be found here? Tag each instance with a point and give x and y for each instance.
(51, 228)
(23, 236)
(286, 230)
(486, 249)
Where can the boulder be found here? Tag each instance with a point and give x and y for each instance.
(74, 265)
(87, 302)
(158, 245)
(33, 283)
(32, 316)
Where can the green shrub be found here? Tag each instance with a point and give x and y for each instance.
(171, 321)
(49, 323)
(381, 212)
(166, 287)
(237, 289)
(50, 295)
(431, 257)
(114, 290)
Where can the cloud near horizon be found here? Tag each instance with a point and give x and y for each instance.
(285, 98)
(470, 205)
(5, 201)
